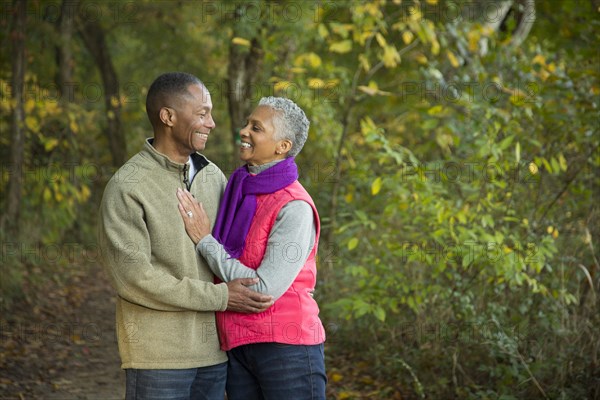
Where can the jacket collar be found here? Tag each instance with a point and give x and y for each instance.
(199, 160)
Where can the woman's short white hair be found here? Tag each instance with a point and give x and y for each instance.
(290, 122)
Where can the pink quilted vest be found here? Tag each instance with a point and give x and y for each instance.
(294, 318)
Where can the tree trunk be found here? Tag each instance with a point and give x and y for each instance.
(65, 49)
(525, 17)
(10, 219)
(95, 41)
(242, 72)
(526, 20)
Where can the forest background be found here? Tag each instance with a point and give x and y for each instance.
(453, 156)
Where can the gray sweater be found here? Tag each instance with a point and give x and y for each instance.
(290, 242)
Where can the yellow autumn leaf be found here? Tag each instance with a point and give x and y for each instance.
(323, 32)
(32, 123)
(281, 85)
(435, 110)
(453, 60)
(241, 41)
(85, 193)
(587, 238)
(415, 14)
(380, 39)
(539, 59)
(364, 62)
(343, 395)
(341, 47)
(376, 186)
(367, 380)
(298, 70)
(368, 90)
(367, 125)
(363, 36)
(349, 197)
(533, 168)
(391, 57)
(77, 339)
(52, 108)
(352, 243)
(341, 29)
(29, 106)
(421, 59)
(47, 194)
(562, 162)
(473, 38)
(50, 144)
(407, 37)
(314, 60)
(316, 83)
(114, 101)
(336, 377)
(435, 47)
(58, 196)
(373, 9)
(74, 127)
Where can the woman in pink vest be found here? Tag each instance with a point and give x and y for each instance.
(267, 228)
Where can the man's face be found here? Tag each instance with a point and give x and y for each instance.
(194, 121)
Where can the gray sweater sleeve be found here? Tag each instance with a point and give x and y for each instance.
(290, 242)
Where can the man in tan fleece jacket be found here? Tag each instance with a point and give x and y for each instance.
(166, 297)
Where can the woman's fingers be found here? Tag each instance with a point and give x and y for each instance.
(182, 210)
(202, 213)
(195, 219)
(188, 202)
(181, 198)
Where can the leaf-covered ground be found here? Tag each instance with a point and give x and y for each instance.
(59, 343)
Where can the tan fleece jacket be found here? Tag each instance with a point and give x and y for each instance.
(165, 293)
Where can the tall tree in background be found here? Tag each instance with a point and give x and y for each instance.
(65, 47)
(95, 40)
(245, 58)
(10, 220)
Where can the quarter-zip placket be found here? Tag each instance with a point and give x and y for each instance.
(186, 180)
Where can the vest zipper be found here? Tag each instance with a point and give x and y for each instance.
(185, 177)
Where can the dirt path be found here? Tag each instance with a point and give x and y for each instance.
(60, 344)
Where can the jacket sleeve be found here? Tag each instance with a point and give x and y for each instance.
(290, 242)
(125, 250)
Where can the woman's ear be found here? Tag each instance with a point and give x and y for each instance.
(167, 116)
(284, 146)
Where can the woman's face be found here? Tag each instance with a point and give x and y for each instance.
(259, 145)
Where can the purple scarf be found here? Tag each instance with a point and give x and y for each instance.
(239, 202)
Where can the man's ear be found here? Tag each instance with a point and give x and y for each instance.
(284, 146)
(167, 116)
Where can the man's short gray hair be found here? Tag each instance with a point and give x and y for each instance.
(290, 122)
